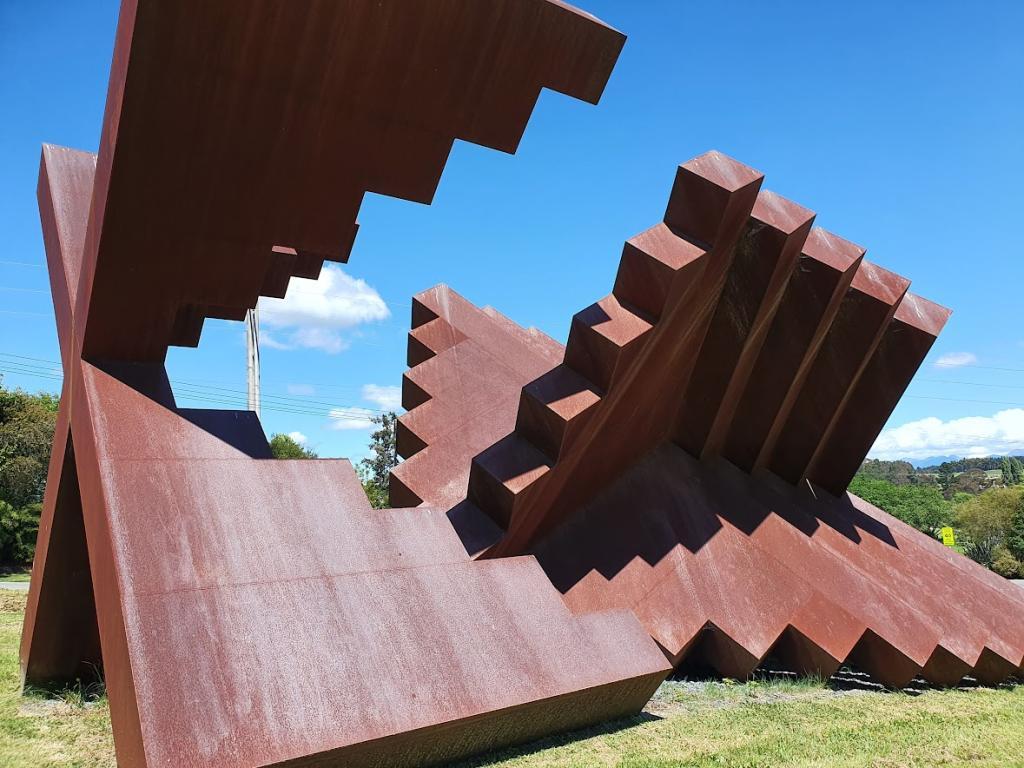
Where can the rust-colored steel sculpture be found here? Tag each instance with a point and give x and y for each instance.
(250, 612)
(687, 455)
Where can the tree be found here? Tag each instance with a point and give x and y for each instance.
(375, 469)
(920, 506)
(1005, 564)
(1016, 470)
(946, 478)
(18, 531)
(973, 481)
(286, 447)
(26, 436)
(1007, 471)
(1015, 531)
(896, 472)
(985, 522)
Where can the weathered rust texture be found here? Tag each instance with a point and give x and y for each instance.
(251, 612)
(234, 127)
(816, 289)
(688, 457)
(469, 366)
(902, 349)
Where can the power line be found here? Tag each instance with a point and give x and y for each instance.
(235, 402)
(975, 365)
(233, 398)
(22, 264)
(198, 383)
(33, 359)
(304, 400)
(964, 400)
(18, 312)
(240, 401)
(189, 389)
(972, 383)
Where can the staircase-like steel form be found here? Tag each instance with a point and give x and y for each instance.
(245, 611)
(675, 472)
(688, 453)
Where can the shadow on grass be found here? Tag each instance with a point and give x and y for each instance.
(851, 679)
(559, 740)
(82, 692)
(846, 679)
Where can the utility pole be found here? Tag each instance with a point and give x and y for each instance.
(252, 348)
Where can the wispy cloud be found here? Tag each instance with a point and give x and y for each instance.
(956, 359)
(298, 437)
(315, 313)
(271, 341)
(305, 390)
(387, 398)
(350, 418)
(970, 436)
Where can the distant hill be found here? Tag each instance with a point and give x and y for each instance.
(952, 476)
(933, 461)
(959, 464)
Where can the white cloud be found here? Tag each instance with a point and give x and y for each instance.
(956, 359)
(328, 340)
(387, 398)
(306, 390)
(970, 436)
(298, 437)
(350, 418)
(269, 340)
(314, 313)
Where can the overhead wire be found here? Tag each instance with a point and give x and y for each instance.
(56, 364)
(224, 396)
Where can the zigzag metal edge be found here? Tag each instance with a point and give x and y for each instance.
(265, 193)
(470, 409)
(608, 337)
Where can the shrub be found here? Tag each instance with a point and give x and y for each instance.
(921, 506)
(286, 447)
(985, 522)
(1015, 532)
(1005, 564)
(18, 530)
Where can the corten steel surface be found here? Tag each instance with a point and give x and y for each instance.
(237, 126)
(687, 457)
(469, 367)
(253, 612)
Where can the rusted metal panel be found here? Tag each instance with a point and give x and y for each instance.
(638, 470)
(250, 611)
(234, 127)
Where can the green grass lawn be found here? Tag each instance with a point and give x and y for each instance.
(15, 575)
(762, 723)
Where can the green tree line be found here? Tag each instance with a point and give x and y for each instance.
(374, 470)
(26, 434)
(987, 515)
(989, 525)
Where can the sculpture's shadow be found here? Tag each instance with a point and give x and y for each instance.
(604, 729)
(240, 429)
(670, 500)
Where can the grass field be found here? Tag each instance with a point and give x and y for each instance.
(14, 575)
(770, 722)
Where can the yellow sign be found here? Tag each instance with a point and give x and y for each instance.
(948, 538)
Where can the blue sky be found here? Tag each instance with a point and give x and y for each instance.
(901, 124)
